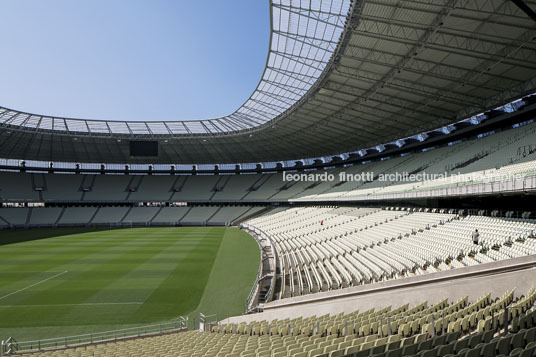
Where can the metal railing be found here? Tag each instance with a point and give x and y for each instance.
(255, 287)
(255, 290)
(12, 346)
(207, 321)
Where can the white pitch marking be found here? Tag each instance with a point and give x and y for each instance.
(29, 271)
(30, 286)
(82, 304)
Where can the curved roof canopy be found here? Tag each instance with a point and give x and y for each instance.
(341, 75)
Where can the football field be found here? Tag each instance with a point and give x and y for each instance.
(74, 282)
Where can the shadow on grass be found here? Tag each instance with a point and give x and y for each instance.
(10, 236)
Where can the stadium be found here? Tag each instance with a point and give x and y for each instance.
(374, 196)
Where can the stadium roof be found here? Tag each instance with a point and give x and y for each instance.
(340, 76)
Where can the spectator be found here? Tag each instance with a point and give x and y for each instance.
(475, 236)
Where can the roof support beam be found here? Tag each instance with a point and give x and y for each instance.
(426, 68)
(525, 8)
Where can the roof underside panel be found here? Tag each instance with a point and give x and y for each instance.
(341, 75)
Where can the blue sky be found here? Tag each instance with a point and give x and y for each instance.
(131, 59)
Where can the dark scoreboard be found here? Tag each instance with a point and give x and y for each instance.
(143, 148)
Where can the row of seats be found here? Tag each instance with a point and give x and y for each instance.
(39, 216)
(346, 335)
(495, 155)
(325, 248)
(500, 153)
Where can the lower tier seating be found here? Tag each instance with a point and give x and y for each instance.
(50, 216)
(460, 328)
(325, 248)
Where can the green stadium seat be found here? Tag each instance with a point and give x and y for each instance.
(445, 349)
(528, 352)
(475, 340)
(503, 346)
(394, 353)
(425, 345)
(410, 350)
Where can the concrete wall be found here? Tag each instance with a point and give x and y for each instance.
(474, 281)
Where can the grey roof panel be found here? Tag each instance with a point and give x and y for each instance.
(340, 76)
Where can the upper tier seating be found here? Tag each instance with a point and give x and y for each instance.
(170, 214)
(497, 154)
(17, 187)
(63, 187)
(140, 214)
(109, 215)
(236, 188)
(199, 214)
(197, 188)
(77, 215)
(49, 216)
(265, 187)
(106, 187)
(153, 188)
(502, 153)
(228, 214)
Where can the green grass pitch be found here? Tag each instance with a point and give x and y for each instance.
(61, 282)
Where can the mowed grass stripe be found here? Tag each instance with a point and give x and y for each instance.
(69, 260)
(33, 234)
(128, 286)
(80, 286)
(73, 288)
(149, 274)
(70, 289)
(60, 251)
(121, 278)
(182, 290)
(232, 277)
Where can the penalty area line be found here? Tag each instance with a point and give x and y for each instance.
(31, 286)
